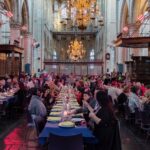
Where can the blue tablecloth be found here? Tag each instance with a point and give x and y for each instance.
(7, 100)
(88, 137)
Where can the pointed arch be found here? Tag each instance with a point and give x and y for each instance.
(8, 5)
(144, 6)
(124, 14)
(25, 13)
(139, 6)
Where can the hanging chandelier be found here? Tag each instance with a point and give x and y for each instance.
(82, 13)
(82, 20)
(76, 50)
(80, 4)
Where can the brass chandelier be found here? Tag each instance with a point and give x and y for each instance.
(82, 13)
(76, 50)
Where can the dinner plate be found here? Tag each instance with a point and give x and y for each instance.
(57, 107)
(56, 110)
(2, 97)
(8, 95)
(76, 103)
(77, 116)
(73, 101)
(54, 119)
(55, 113)
(77, 119)
(75, 107)
(59, 102)
(66, 124)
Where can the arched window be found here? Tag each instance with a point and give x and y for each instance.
(92, 54)
(5, 29)
(63, 11)
(145, 26)
(54, 55)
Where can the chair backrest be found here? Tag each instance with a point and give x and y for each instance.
(57, 142)
(137, 114)
(29, 117)
(145, 118)
(36, 124)
(127, 110)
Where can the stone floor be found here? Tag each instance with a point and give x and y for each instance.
(15, 135)
(133, 138)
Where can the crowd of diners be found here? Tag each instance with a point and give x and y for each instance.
(101, 97)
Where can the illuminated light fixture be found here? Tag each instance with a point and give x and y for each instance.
(76, 50)
(83, 13)
(146, 14)
(80, 4)
(24, 28)
(86, 12)
(140, 18)
(5, 12)
(125, 29)
(9, 14)
(83, 20)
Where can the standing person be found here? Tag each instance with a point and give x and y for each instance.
(105, 124)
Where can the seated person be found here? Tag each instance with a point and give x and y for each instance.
(2, 84)
(37, 108)
(134, 101)
(48, 100)
(122, 100)
(79, 97)
(147, 101)
(87, 100)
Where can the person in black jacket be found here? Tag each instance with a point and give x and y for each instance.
(147, 101)
(122, 100)
(106, 127)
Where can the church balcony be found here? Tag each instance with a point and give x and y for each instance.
(50, 61)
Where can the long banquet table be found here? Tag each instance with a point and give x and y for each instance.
(7, 99)
(54, 128)
(88, 137)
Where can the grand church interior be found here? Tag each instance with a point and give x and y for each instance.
(74, 74)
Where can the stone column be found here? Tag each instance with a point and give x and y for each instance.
(149, 49)
(1, 7)
(15, 32)
(149, 4)
(27, 44)
(149, 43)
(12, 63)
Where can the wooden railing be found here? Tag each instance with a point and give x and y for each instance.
(137, 29)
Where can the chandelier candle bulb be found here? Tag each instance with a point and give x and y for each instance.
(65, 113)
